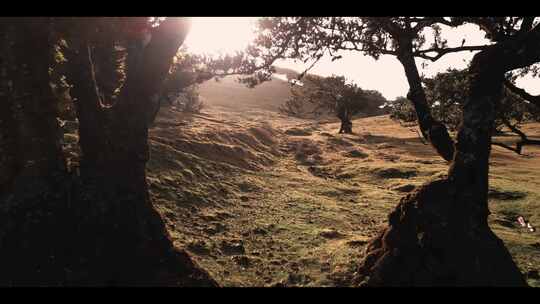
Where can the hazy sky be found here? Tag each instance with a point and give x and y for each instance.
(227, 34)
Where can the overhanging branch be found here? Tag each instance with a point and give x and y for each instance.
(444, 51)
(524, 140)
(522, 93)
(499, 144)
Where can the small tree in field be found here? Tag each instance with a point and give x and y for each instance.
(327, 95)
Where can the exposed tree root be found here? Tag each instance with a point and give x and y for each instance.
(424, 245)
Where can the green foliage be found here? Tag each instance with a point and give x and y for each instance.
(189, 100)
(374, 100)
(308, 39)
(446, 93)
(401, 109)
(318, 95)
(181, 84)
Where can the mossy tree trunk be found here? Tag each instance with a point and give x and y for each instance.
(439, 234)
(99, 228)
(129, 238)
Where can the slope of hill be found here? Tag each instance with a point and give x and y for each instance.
(260, 199)
(270, 95)
(229, 93)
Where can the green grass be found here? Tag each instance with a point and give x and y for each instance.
(282, 210)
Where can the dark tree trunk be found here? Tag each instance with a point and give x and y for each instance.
(92, 117)
(30, 132)
(30, 106)
(346, 126)
(433, 131)
(123, 231)
(344, 116)
(439, 234)
(99, 228)
(8, 155)
(33, 191)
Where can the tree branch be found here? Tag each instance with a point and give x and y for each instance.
(151, 65)
(442, 52)
(424, 22)
(522, 93)
(356, 48)
(499, 144)
(526, 25)
(514, 129)
(525, 141)
(301, 75)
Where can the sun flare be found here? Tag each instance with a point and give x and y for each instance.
(220, 34)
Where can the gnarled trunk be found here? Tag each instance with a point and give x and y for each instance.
(99, 228)
(124, 234)
(439, 235)
(345, 118)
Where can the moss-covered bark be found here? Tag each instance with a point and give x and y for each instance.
(99, 227)
(439, 235)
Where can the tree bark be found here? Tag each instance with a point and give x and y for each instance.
(8, 155)
(99, 228)
(439, 234)
(29, 227)
(346, 126)
(32, 105)
(433, 131)
(125, 238)
(344, 116)
(30, 136)
(92, 117)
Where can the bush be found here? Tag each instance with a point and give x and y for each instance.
(188, 100)
(401, 109)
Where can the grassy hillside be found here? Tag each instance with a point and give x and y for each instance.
(230, 93)
(260, 199)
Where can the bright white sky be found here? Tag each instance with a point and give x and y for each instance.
(228, 34)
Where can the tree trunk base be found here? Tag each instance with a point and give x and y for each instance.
(424, 245)
(346, 127)
(56, 237)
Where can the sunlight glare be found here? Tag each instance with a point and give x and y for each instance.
(214, 35)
